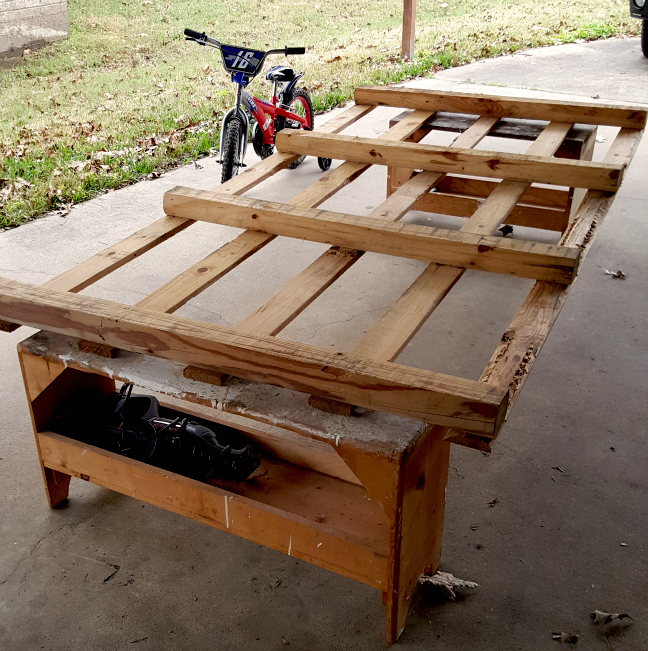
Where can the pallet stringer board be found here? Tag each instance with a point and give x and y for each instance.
(633, 117)
(491, 164)
(401, 390)
(460, 249)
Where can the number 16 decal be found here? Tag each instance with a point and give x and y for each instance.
(242, 60)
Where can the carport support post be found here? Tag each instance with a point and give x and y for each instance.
(409, 29)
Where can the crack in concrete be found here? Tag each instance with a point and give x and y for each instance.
(351, 318)
(72, 526)
(33, 549)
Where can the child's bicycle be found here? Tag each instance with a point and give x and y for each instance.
(290, 107)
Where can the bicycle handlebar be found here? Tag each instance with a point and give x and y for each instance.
(192, 34)
(203, 39)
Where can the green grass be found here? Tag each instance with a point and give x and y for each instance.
(126, 96)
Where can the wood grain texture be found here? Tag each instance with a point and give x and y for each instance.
(439, 203)
(519, 167)
(400, 390)
(304, 288)
(632, 117)
(460, 249)
(409, 29)
(418, 527)
(402, 321)
(534, 196)
(360, 556)
(520, 345)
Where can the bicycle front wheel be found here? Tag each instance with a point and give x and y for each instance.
(299, 104)
(230, 155)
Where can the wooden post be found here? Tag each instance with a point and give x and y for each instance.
(409, 29)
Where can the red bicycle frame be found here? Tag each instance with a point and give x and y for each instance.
(261, 110)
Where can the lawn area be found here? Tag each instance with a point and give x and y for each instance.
(126, 96)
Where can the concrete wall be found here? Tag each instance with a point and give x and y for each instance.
(31, 24)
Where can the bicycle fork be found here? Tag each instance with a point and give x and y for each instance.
(236, 112)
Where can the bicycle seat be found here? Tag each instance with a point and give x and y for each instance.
(281, 73)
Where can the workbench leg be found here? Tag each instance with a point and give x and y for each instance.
(46, 385)
(418, 528)
(411, 490)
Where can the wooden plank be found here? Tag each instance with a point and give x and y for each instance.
(402, 321)
(289, 302)
(520, 167)
(632, 117)
(534, 196)
(513, 359)
(360, 557)
(519, 258)
(182, 288)
(409, 29)
(551, 219)
(410, 392)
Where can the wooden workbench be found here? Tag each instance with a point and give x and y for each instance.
(363, 494)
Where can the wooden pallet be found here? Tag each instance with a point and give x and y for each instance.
(367, 377)
(487, 188)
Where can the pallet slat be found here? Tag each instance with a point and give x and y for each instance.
(272, 317)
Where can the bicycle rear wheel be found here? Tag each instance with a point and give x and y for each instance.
(230, 155)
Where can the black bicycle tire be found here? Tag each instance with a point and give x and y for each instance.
(230, 153)
(280, 122)
(644, 37)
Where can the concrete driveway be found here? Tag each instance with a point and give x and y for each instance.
(552, 525)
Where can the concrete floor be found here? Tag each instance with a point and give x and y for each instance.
(555, 546)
